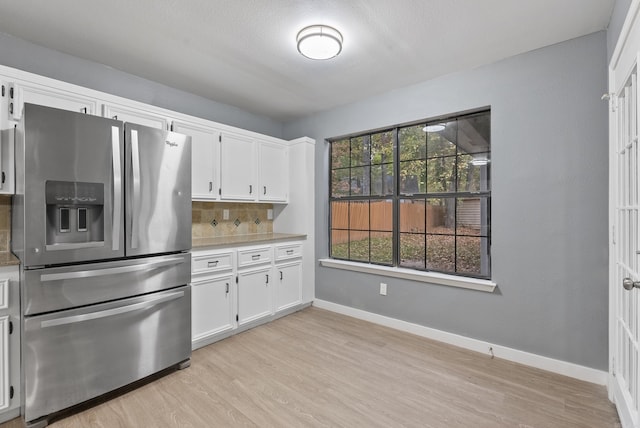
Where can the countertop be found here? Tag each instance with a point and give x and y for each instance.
(258, 238)
(8, 259)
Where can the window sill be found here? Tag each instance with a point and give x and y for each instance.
(428, 277)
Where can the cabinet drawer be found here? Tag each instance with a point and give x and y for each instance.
(212, 262)
(254, 256)
(284, 252)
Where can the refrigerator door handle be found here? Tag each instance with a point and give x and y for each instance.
(135, 197)
(112, 312)
(117, 188)
(110, 271)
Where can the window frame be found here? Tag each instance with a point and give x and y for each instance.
(397, 197)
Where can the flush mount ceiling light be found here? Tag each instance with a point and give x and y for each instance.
(319, 42)
(436, 127)
(479, 160)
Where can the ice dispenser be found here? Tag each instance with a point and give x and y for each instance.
(75, 214)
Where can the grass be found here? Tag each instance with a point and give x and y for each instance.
(440, 252)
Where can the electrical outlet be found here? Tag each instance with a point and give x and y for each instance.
(225, 214)
(269, 214)
(383, 289)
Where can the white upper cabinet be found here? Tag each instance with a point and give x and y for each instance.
(253, 170)
(205, 157)
(273, 170)
(20, 93)
(237, 168)
(7, 185)
(135, 115)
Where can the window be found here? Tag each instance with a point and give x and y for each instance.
(415, 196)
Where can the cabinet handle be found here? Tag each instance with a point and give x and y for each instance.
(267, 278)
(212, 264)
(115, 117)
(265, 190)
(210, 186)
(255, 257)
(83, 110)
(280, 275)
(227, 291)
(250, 189)
(289, 252)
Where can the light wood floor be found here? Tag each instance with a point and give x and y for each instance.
(319, 369)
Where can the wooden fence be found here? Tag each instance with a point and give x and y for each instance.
(378, 217)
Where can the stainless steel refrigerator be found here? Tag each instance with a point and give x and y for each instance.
(101, 223)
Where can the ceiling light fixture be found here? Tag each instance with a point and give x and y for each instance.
(319, 42)
(479, 160)
(436, 127)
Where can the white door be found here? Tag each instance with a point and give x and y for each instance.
(135, 115)
(20, 93)
(274, 172)
(211, 307)
(204, 157)
(624, 204)
(254, 295)
(289, 280)
(237, 168)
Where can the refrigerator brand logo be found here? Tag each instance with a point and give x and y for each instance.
(171, 143)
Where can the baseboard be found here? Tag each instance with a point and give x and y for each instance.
(549, 364)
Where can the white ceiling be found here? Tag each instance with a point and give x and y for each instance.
(243, 53)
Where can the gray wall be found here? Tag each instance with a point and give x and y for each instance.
(23, 55)
(549, 203)
(620, 9)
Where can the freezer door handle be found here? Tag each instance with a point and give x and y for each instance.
(117, 188)
(112, 312)
(135, 197)
(110, 271)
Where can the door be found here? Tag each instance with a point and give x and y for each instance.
(69, 169)
(237, 168)
(289, 280)
(21, 93)
(624, 265)
(254, 295)
(274, 172)
(204, 159)
(134, 115)
(158, 207)
(211, 307)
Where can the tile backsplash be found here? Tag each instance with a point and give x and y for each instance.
(5, 223)
(207, 219)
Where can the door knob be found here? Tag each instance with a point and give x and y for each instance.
(628, 284)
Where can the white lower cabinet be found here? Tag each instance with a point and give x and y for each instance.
(9, 343)
(234, 289)
(212, 306)
(289, 285)
(254, 294)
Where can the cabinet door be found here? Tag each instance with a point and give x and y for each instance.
(254, 295)
(6, 143)
(137, 116)
(5, 381)
(205, 151)
(274, 172)
(237, 168)
(20, 93)
(211, 307)
(289, 280)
